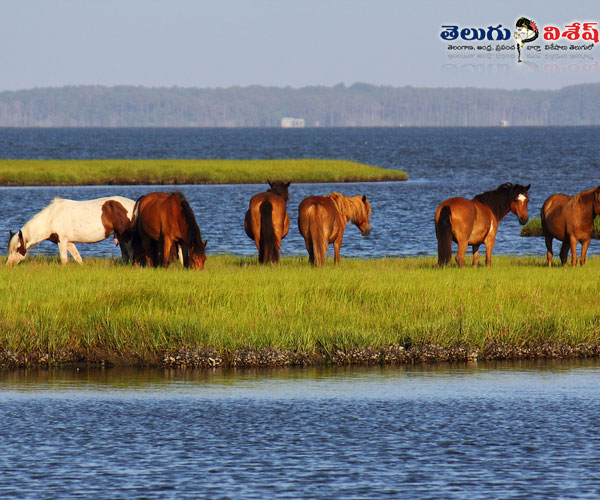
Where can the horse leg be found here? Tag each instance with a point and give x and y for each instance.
(489, 247)
(584, 248)
(62, 250)
(549, 250)
(337, 244)
(564, 250)
(74, 252)
(573, 242)
(167, 244)
(475, 255)
(460, 253)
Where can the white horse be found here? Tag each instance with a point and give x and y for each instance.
(67, 221)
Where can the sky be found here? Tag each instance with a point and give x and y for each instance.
(224, 43)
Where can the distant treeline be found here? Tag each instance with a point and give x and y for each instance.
(255, 106)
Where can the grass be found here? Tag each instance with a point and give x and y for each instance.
(178, 171)
(534, 228)
(237, 304)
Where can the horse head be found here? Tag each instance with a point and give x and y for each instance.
(17, 249)
(197, 256)
(518, 205)
(279, 188)
(361, 219)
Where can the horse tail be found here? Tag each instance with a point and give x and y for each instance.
(267, 251)
(443, 232)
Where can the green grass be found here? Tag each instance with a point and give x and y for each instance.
(177, 171)
(237, 304)
(534, 228)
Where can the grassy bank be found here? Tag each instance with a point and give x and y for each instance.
(175, 171)
(534, 228)
(237, 313)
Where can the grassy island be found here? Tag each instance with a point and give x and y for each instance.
(237, 313)
(178, 171)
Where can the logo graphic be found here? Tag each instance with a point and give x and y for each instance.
(526, 31)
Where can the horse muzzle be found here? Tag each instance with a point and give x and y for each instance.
(366, 231)
(523, 220)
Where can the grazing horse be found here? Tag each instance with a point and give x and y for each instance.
(68, 221)
(570, 219)
(267, 221)
(322, 220)
(473, 222)
(163, 224)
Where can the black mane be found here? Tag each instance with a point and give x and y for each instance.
(195, 236)
(279, 188)
(499, 199)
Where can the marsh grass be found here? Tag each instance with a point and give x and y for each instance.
(183, 171)
(237, 304)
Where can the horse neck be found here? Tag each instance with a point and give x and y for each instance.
(499, 206)
(35, 230)
(585, 201)
(345, 207)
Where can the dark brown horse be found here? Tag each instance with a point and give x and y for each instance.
(267, 221)
(164, 223)
(322, 220)
(571, 220)
(473, 222)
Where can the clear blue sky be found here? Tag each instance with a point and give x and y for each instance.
(222, 43)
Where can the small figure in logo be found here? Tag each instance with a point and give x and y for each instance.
(526, 32)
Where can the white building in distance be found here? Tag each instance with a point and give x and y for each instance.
(288, 122)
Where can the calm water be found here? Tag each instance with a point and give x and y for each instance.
(440, 163)
(484, 431)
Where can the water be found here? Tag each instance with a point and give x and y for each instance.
(440, 163)
(482, 431)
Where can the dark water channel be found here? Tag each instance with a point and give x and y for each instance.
(440, 163)
(482, 431)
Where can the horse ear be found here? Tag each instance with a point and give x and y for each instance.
(288, 184)
(527, 187)
(11, 234)
(269, 183)
(204, 243)
(364, 198)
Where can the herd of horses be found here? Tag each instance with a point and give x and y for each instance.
(160, 228)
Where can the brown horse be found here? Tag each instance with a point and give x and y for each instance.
(322, 220)
(164, 223)
(473, 222)
(267, 221)
(570, 219)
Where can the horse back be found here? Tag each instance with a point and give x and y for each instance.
(321, 212)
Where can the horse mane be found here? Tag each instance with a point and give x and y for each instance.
(193, 230)
(347, 206)
(499, 199)
(583, 196)
(280, 188)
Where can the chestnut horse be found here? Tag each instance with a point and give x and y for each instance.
(322, 220)
(67, 222)
(473, 222)
(267, 221)
(570, 219)
(163, 224)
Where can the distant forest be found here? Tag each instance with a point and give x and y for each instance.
(255, 106)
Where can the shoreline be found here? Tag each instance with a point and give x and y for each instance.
(237, 313)
(206, 357)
